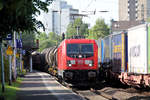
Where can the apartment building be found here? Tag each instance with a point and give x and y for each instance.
(134, 10)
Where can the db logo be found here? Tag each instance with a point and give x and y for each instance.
(80, 62)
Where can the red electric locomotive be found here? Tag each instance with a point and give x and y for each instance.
(77, 60)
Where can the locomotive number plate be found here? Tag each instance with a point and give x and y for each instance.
(80, 62)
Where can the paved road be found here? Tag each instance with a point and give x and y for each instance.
(40, 86)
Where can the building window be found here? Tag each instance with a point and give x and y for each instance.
(128, 1)
(116, 25)
(136, 1)
(128, 12)
(136, 17)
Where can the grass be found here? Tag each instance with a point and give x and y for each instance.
(22, 73)
(10, 91)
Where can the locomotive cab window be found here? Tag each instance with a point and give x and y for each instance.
(86, 50)
(73, 48)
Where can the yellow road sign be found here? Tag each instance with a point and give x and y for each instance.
(9, 51)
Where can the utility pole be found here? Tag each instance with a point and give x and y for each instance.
(2, 66)
(111, 26)
(78, 30)
(142, 13)
(9, 52)
(10, 66)
(20, 52)
(15, 69)
(31, 62)
(21, 60)
(60, 21)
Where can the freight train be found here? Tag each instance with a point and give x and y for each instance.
(125, 56)
(74, 61)
(122, 56)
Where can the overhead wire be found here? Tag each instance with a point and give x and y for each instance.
(89, 4)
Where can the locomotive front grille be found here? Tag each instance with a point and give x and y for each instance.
(80, 75)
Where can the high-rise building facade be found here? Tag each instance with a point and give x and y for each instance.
(59, 16)
(134, 10)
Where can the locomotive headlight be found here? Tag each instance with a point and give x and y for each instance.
(89, 62)
(90, 65)
(71, 62)
(70, 65)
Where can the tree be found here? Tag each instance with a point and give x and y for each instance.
(78, 24)
(148, 20)
(28, 39)
(46, 44)
(42, 36)
(84, 29)
(48, 40)
(100, 29)
(70, 30)
(19, 15)
(56, 38)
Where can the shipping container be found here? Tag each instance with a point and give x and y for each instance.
(102, 51)
(99, 50)
(106, 51)
(139, 49)
(119, 52)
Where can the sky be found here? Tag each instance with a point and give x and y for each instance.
(91, 5)
(99, 5)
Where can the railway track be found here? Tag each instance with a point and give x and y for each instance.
(93, 95)
(105, 91)
(87, 92)
(111, 93)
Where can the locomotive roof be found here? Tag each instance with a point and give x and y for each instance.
(79, 41)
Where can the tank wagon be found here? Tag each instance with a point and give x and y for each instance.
(74, 60)
(129, 56)
(38, 62)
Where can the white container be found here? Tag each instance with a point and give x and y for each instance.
(138, 49)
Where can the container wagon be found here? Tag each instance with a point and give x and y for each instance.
(138, 73)
(113, 56)
(130, 56)
(106, 52)
(104, 55)
(119, 42)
